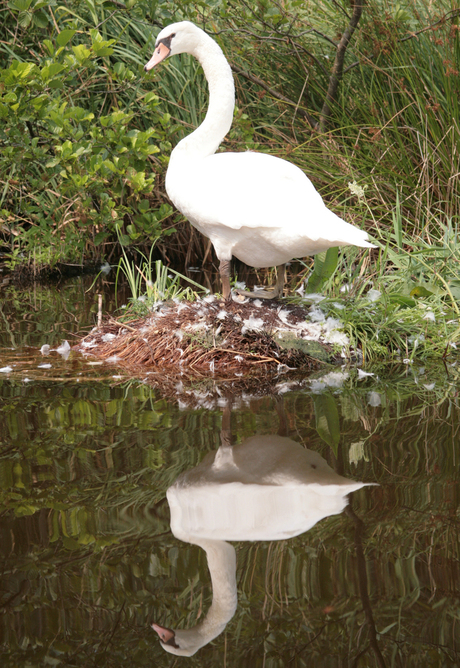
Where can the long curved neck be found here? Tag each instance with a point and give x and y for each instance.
(222, 568)
(206, 138)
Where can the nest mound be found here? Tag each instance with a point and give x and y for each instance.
(228, 339)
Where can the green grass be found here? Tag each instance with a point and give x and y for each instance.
(153, 283)
(400, 303)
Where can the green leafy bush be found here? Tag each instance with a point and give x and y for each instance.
(77, 166)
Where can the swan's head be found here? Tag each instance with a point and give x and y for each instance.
(176, 38)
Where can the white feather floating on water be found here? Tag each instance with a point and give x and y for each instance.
(374, 399)
(64, 349)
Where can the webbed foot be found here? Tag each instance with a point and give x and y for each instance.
(271, 293)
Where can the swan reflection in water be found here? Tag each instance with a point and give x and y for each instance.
(266, 488)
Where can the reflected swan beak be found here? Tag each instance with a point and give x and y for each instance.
(166, 635)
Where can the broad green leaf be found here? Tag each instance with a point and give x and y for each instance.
(48, 44)
(454, 287)
(100, 237)
(65, 36)
(325, 265)
(420, 291)
(50, 71)
(327, 420)
(81, 52)
(20, 70)
(25, 19)
(56, 84)
(10, 98)
(41, 19)
(20, 5)
(402, 300)
(151, 97)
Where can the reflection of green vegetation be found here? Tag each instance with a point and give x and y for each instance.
(88, 559)
(43, 314)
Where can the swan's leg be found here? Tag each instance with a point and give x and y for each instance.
(226, 431)
(280, 277)
(272, 293)
(283, 425)
(224, 270)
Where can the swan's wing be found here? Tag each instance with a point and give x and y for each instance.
(261, 209)
(254, 190)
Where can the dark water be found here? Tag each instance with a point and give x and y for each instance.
(88, 557)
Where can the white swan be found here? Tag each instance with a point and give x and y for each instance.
(259, 208)
(267, 488)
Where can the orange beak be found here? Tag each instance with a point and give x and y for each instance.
(164, 633)
(161, 52)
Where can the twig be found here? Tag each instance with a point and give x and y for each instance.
(450, 15)
(122, 325)
(337, 68)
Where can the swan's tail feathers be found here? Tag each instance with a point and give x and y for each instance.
(341, 233)
(355, 237)
(366, 244)
(360, 240)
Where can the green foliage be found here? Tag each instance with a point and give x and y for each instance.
(161, 284)
(324, 266)
(406, 305)
(76, 163)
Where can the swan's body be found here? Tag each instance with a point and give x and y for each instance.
(259, 208)
(267, 488)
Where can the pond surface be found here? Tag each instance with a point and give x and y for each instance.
(254, 550)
